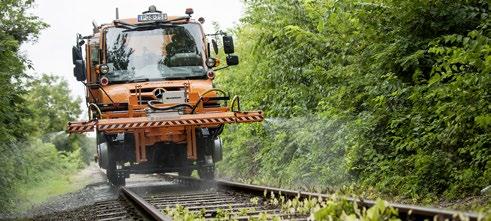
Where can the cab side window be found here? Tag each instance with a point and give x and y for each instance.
(94, 55)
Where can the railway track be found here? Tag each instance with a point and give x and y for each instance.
(191, 198)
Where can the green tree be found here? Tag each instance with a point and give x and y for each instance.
(398, 90)
(16, 27)
(51, 107)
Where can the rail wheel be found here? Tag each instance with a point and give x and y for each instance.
(207, 172)
(185, 172)
(114, 177)
(185, 169)
(185, 165)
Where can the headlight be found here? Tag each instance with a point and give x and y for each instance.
(104, 69)
(211, 62)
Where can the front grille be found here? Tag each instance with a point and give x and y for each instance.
(150, 89)
(147, 94)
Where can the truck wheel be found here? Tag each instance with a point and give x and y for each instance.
(207, 172)
(102, 155)
(185, 172)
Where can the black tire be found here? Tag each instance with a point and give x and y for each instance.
(207, 172)
(102, 155)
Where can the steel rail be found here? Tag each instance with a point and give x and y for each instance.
(147, 207)
(406, 212)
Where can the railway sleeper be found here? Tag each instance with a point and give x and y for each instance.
(283, 216)
(194, 196)
(221, 206)
(238, 211)
(199, 199)
(192, 203)
(112, 213)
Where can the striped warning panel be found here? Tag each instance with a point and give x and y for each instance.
(81, 127)
(199, 120)
(180, 122)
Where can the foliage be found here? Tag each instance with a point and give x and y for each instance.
(386, 94)
(336, 210)
(302, 160)
(48, 149)
(333, 208)
(16, 27)
(182, 213)
(73, 143)
(29, 109)
(51, 105)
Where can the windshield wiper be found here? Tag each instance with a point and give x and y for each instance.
(185, 77)
(149, 26)
(139, 80)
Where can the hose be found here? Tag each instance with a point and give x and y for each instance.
(96, 107)
(151, 105)
(211, 90)
(202, 96)
(236, 99)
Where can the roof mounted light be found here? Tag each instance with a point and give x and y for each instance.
(152, 9)
(189, 11)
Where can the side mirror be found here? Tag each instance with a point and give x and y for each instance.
(228, 44)
(215, 45)
(232, 60)
(76, 54)
(78, 61)
(79, 70)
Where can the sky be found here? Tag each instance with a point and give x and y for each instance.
(51, 54)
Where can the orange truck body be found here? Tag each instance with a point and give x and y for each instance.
(132, 137)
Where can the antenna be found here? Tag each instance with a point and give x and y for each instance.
(117, 13)
(94, 25)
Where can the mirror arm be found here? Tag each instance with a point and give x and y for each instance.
(217, 33)
(218, 69)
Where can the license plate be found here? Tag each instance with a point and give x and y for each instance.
(152, 17)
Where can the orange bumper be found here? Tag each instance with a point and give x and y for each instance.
(196, 120)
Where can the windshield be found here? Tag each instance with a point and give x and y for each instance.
(175, 51)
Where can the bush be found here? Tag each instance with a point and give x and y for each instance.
(392, 95)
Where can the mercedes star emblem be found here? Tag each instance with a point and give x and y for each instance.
(159, 92)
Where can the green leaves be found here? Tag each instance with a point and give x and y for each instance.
(50, 103)
(396, 93)
(483, 121)
(30, 108)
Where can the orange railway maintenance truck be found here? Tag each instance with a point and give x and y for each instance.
(151, 98)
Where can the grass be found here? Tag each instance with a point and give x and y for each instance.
(49, 184)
